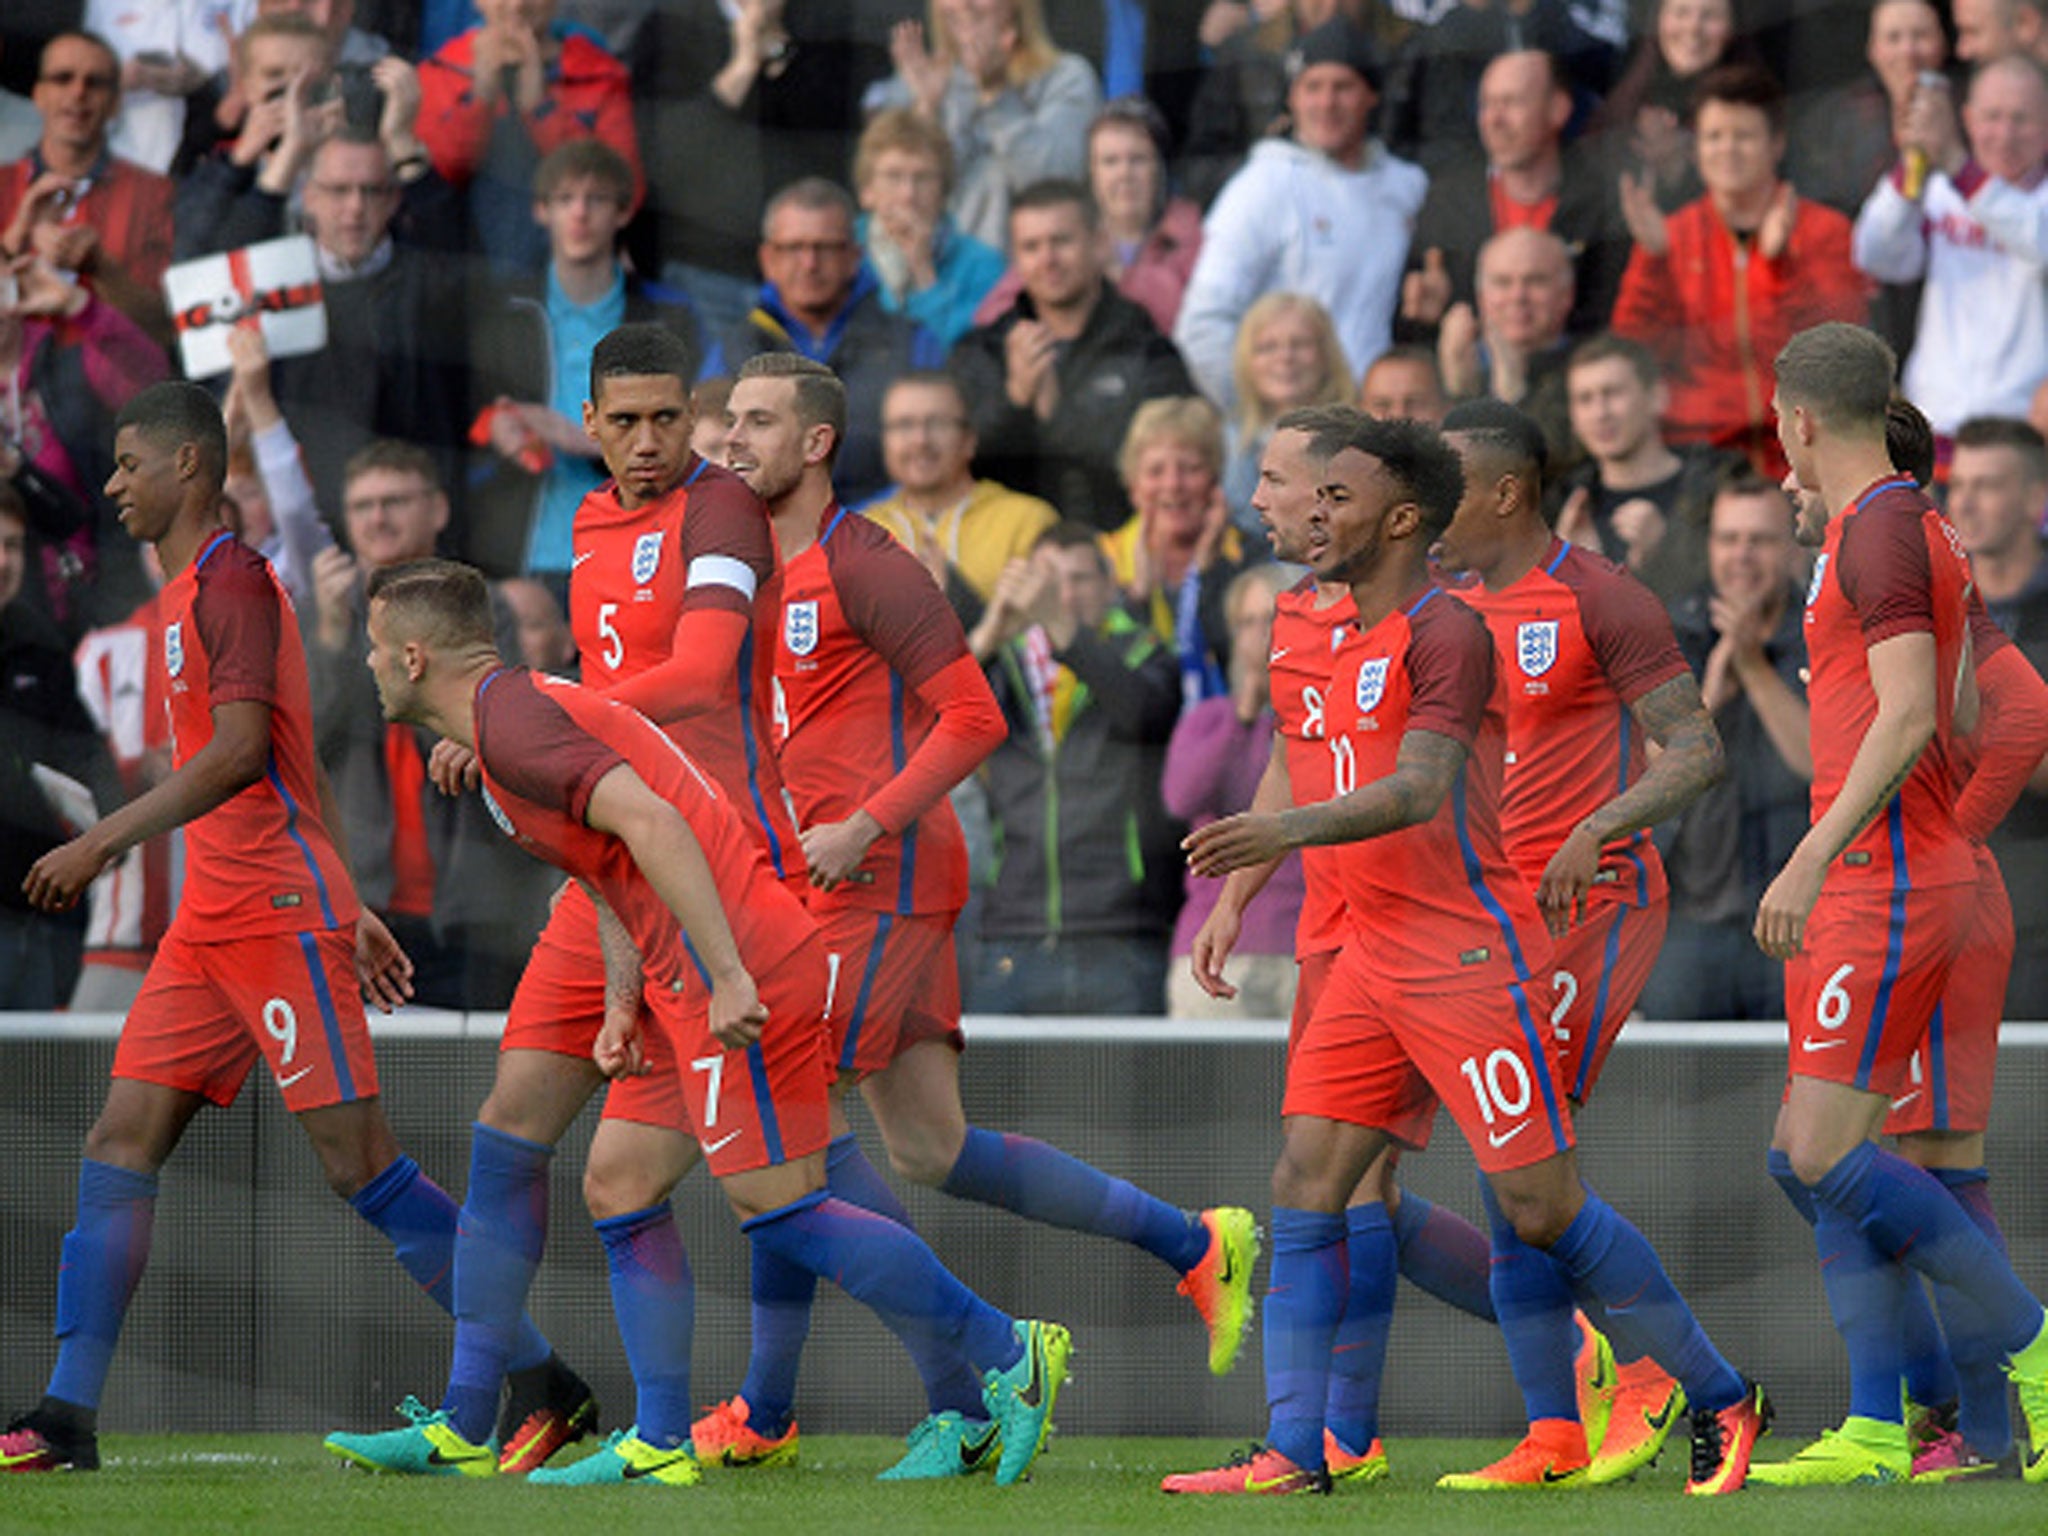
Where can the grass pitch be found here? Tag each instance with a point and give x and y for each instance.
(288, 1483)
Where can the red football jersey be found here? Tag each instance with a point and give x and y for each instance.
(261, 862)
(1438, 906)
(1305, 642)
(1890, 566)
(544, 743)
(863, 630)
(636, 574)
(1578, 641)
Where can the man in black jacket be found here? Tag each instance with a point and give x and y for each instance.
(1053, 382)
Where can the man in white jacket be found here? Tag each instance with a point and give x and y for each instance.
(1325, 212)
(1977, 232)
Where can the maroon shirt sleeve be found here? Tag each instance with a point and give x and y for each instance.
(892, 602)
(237, 614)
(724, 519)
(529, 744)
(1883, 568)
(1450, 669)
(1627, 627)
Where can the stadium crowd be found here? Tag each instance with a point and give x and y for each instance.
(1072, 261)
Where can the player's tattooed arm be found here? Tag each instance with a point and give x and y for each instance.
(620, 1049)
(1689, 762)
(1424, 769)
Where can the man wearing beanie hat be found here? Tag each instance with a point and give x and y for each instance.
(1325, 211)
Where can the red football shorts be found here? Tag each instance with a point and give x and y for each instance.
(893, 981)
(1315, 975)
(1864, 986)
(1376, 1055)
(763, 1104)
(206, 1011)
(1598, 970)
(1949, 1080)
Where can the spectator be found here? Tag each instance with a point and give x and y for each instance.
(1645, 125)
(1997, 29)
(1997, 489)
(1523, 175)
(1718, 287)
(707, 403)
(1404, 382)
(394, 364)
(927, 269)
(1219, 751)
(530, 360)
(1153, 237)
(769, 92)
(73, 201)
(1287, 355)
(1635, 499)
(966, 531)
(1742, 633)
(1175, 558)
(1016, 108)
(458, 895)
(43, 729)
(276, 510)
(68, 361)
(169, 53)
(1052, 383)
(1084, 898)
(1512, 347)
(1326, 212)
(498, 97)
(545, 641)
(1977, 235)
(1430, 116)
(821, 300)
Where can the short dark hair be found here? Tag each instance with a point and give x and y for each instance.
(1426, 467)
(1502, 429)
(642, 349)
(816, 193)
(1072, 533)
(584, 160)
(396, 455)
(1607, 347)
(2007, 432)
(1058, 192)
(929, 378)
(1909, 440)
(1842, 373)
(1743, 85)
(175, 412)
(820, 396)
(81, 35)
(1739, 477)
(443, 602)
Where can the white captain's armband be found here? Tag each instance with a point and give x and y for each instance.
(722, 571)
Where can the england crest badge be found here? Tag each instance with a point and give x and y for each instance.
(1372, 684)
(1536, 646)
(800, 627)
(174, 649)
(646, 557)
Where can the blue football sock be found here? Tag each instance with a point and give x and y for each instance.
(781, 1297)
(500, 1234)
(1043, 1183)
(1533, 1300)
(1912, 1219)
(1930, 1374)
(888, 1268)
(1358, 1357)
(949, 1381)
(656, 1306)
(1304, 1309)
(1605, 1255)
(1801, 1198)
(103, 1258)
(1867, 1298)
(1984, 1404)
(1445, 1255)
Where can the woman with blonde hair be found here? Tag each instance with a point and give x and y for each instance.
(1015, 107)
(1176, 556)
(1286, 355)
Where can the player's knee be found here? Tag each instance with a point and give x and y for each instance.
(616, 1187)
(1538, 1217)
(120, 1144)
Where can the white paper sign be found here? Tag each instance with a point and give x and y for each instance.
(277, 282)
